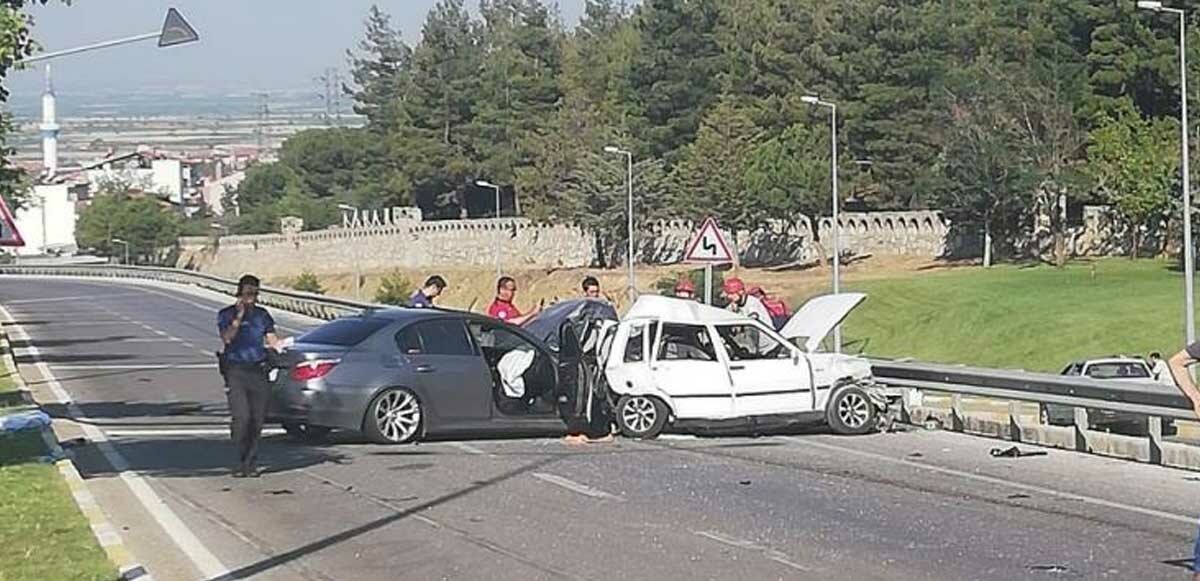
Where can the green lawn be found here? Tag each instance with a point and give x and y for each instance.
(42, 533)
(1033, 317)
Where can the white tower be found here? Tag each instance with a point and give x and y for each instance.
(49, 128)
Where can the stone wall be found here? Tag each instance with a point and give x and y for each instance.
(405, 242)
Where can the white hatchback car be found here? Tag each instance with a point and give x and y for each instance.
(674, 361)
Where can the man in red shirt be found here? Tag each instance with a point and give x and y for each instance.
(503, 308)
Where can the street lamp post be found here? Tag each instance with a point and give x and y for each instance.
(629, 210)
(836, 225)
(357, 260)
(1188, 251)
(496, 188)
(126, 245)
(175, 30)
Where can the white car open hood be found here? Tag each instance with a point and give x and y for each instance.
(819, 316)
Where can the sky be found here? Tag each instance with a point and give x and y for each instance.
(245, 45)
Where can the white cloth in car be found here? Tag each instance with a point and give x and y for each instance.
(512, 369)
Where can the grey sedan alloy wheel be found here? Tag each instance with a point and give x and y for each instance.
(394, 417)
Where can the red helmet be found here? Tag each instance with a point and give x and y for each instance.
(734, 286)
(685, 285)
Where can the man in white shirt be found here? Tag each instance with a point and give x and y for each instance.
(1159, 370)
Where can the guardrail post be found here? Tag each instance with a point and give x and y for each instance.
(956, 413)
(1081, 430)
(1154, 429)
(1014, 426)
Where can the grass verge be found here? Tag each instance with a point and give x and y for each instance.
(1037, 318)
(42, 533)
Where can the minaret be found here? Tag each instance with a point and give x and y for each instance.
(49, 128)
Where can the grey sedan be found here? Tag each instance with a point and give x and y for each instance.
(398, 375)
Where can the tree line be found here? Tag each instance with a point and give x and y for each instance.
(1000, 113)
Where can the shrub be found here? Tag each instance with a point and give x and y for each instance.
(307, 282)
(394, 289)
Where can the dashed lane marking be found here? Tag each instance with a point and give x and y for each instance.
(574, 486)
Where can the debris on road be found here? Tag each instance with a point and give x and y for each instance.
(74, 443)
(1015, 452)
(279, 492)
(1058, 569)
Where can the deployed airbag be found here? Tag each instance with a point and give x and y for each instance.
(512, 369)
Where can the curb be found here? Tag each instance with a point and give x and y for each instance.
(103, 530)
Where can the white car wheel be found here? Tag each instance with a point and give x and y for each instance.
(851, 412)
(641, 416)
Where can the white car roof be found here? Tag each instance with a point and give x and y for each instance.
(683, 311)
(1112, 360)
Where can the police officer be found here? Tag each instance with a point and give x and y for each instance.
(247, 330)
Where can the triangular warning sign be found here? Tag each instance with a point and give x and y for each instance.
(176, 30)
(9, 236)
(708, 245)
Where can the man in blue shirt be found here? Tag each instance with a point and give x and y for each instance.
(247, 330)
(424, 296)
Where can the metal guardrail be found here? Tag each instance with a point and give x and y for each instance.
(1080, 392)
(1083, 394)
(313, 305)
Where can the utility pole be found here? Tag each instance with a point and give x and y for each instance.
(331, 95)
(262, 117)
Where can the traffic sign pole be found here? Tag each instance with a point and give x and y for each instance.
(708, 279)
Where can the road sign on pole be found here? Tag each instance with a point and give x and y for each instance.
(708, 246)
(9, 236)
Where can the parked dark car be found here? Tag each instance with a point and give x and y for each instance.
(399, 375)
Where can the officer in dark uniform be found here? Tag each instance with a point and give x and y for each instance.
(247, 330)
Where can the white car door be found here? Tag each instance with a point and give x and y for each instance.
(627, 366)
(768, 375)
(686, 368)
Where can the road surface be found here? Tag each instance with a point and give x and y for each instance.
(136, 362)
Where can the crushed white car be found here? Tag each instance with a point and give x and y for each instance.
(677, 362)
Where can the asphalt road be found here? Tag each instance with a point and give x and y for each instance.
(136, 362)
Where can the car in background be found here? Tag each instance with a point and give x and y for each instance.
(1126, 369)
(398, 375)
(677, 362)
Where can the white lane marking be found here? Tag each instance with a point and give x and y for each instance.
(146, 367)
(151, 340)
(208, 564)
(147, 433)
(676, 437)
(68, 299)
(573, 486)
(72, 324)
(470, 449)
(767, 552)
(1191, 520)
